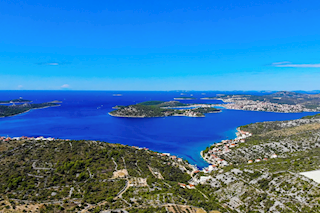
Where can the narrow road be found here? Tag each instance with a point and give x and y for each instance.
(124, 162)
(116, 169)
(205, 196)
(138, 168)
(122, 190)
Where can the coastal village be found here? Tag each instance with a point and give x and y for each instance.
(223, 147)
(212, 156)
(265, 175)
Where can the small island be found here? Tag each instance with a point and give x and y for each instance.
(117, 95)
(161, 109)
(209, 98)
(55, 102)
(184, 98)
(25, 106)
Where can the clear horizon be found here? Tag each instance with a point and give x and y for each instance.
(262, 91)
(160, 46)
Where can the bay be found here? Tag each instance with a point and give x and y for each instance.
(84, 115)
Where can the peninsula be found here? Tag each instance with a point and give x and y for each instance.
(184, 98)
(22, 107)
(162, 109)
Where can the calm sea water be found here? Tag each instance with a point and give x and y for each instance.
(84, 115)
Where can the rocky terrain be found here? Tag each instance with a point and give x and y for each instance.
(262, 174)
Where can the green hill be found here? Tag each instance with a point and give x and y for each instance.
(71, 176)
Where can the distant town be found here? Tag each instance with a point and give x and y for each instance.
(284, 101)
(234, 103)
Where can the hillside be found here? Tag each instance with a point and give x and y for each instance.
(46, 175)
(261, 173)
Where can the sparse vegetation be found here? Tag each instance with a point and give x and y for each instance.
(271, 184)
(79, 175)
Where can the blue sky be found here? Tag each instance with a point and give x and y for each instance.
(160, 45)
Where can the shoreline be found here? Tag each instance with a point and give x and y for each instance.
(28, 111)
(196, 153)
(226, 143)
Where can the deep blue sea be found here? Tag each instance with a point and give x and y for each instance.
(84, 115)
